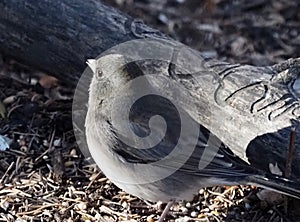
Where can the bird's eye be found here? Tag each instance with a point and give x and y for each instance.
(99, 73)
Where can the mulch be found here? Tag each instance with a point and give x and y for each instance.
(44, 176)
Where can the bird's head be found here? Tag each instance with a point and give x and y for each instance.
(108, 76)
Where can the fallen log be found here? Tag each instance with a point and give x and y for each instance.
(59, 36)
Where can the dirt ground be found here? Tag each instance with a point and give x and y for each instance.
(44, 176)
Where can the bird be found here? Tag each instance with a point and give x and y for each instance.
(200, 158)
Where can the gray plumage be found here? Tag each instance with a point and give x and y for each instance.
(117, 160)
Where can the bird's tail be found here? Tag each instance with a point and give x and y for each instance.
(277, 183)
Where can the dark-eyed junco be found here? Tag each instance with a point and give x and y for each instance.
(152, 161)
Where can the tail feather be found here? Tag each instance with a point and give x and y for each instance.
(278, 184)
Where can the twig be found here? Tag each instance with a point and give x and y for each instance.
(38, 210)
(6, 172)
(288, 166)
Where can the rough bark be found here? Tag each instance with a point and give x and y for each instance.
(59, 36)
(257, 104)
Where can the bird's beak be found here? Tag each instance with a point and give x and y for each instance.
(92, 63)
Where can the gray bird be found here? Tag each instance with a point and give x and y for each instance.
(141, 172)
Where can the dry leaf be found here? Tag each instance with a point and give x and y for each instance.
(48, 82)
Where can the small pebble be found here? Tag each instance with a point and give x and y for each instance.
(183, 209)
(163, 18)
(194, 214)
(65, 204)
(45, 143)
(73, 152)
(33, 81)
(247, 206)
(81, 206)
(97, 216)
(9, 100)
(57, 142)
(188, 205)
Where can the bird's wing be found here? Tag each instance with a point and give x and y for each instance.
(216, 159)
